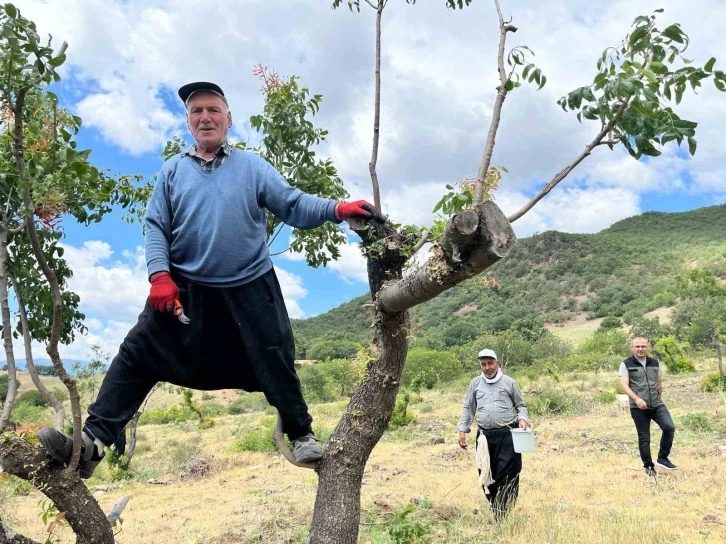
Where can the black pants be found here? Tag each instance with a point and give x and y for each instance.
(506, 464)
(238, 338)
(642, 419)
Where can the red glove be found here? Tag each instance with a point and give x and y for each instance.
(163, 292)
(360, 208)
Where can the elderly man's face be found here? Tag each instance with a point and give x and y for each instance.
(489, 366)
(209, 120)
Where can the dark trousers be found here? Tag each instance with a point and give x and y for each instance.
(642, 419)
(238, 338)
(506, 465)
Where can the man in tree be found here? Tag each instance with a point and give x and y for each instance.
(498, 405)
(215, 317)
(641, 379)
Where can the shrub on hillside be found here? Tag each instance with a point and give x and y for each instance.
(401, 416)
(426, 368)
(551, 402)
(31, 398)
(317, 386)
(609, 322)
(174, 413)
(605, 397)
(697, 421)
(673, 355)
(24, 413)
(713, 383)
(247, 403)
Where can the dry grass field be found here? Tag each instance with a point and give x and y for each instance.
(583, 483)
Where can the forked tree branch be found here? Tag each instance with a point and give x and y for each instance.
(562, 174)
(502, 92)
(50, 276)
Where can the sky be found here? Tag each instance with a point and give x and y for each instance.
(127, 58)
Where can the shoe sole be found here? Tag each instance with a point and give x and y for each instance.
(665, 467)
(49, 448)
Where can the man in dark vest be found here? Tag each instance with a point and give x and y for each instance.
(641, 378)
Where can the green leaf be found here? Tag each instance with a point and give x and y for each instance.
(543, 80)
(57, 61)
(691, 146)
(11, 10)
(673, 33)
(638, 34)
(526, 70)
(709, 65)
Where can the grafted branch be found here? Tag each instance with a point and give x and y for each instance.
(562, 174)
(502, 91)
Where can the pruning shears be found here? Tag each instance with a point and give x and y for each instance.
(179, 312)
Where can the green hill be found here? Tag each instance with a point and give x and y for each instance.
(625, 270)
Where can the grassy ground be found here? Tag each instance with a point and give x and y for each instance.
(582, 484)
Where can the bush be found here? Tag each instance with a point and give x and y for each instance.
(673, 355)
(605, 397)
(426, 367)
(713, 383)
(401, 417)
(61, 393)
(31, 398)
(211, 408)
(316, 384)
(697, 421)
(174, 413)
(610, 322)
(551, 402)
(259, 440)
(35, 415)
(248, 403)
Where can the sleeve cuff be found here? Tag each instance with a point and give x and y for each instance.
(463, 428)
(156, 267)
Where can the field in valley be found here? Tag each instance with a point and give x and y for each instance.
(582, 484)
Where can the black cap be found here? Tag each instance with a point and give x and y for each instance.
(185, 91)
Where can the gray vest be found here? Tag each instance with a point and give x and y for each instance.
(644, 381)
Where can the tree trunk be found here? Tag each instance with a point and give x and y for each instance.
(719, 358)
(68, 493)
(7, 331)
(50, 398)
(466, 251)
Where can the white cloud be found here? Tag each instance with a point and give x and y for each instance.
(351, 266)
(293, 290)
(108, 289)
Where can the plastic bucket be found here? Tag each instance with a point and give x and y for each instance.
(523, 440)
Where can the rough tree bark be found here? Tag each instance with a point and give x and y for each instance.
(50, 398)
(474, 241)
(7, 330)
(68, 492)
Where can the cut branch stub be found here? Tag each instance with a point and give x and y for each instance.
(69, 494)
(473, 241)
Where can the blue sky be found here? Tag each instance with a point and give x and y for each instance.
(127, 58)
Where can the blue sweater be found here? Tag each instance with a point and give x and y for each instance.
(210, 226)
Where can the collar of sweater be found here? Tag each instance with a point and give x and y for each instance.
(495, 379)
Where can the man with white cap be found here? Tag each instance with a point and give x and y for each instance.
(496, 402)
(215, 317)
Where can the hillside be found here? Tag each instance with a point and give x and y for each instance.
(625, 270)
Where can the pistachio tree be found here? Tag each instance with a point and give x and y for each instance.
(631, 101)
